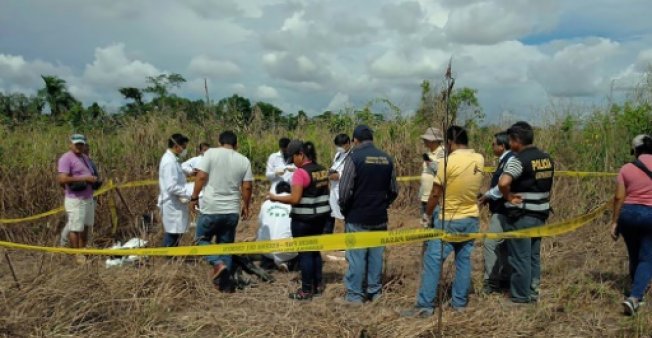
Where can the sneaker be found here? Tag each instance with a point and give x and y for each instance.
(217, 270)
(417, 313)
(283, 268)
(631, 305)
(300, 295)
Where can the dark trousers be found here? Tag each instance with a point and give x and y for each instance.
(329, 226)
(524, 255)
(310, 262)
(171, 240)
(635, 224)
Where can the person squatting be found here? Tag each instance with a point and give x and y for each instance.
(306, 198)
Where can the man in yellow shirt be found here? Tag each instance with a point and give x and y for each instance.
(432, 140)
(462, 179)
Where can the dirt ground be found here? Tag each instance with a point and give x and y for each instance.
(583, 281)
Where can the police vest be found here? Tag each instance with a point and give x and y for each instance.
(314, 201)
(372, 186)
(534, 184)
(498, 206)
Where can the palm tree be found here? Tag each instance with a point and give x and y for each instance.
(56, 95)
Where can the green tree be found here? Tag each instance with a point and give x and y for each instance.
(464, 104)
(57, 96)
(236, 109)
(136, 107)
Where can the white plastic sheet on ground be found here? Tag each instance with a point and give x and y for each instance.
(130, 244)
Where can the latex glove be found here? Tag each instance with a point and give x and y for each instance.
(425, 221)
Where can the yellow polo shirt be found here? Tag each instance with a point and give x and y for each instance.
(463, 182)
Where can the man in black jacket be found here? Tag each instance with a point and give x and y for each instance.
(525, 184)
(367, 188)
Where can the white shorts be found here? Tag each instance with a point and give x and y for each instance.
(81, 213)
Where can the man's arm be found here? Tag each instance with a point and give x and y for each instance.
(346, 184)
(393, 186)
(270, 171)
(512, 171)
(433, 200)
(247, 191)
(63, 178)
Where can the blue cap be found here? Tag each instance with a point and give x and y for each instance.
(363, 133)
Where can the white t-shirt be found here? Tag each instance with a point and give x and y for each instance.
(275, 223)
(226, 169)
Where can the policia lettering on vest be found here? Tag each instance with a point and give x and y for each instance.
(525, 184)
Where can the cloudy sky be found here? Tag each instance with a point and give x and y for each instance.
(330, 54)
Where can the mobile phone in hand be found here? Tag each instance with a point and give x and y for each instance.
(426, 157)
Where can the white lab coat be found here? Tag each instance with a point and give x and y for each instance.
(276, 162)
(275, 223)
(172, 186)
(338, 165)
(190, 165)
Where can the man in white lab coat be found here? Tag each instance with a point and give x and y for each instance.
(343, 146)
(190, 166)
(278, 169)
(173, 198)
(275, 223)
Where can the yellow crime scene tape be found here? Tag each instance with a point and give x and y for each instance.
(347, 241)
(110, 185)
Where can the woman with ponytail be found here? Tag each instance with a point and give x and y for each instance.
(632, 218)
(310, 212)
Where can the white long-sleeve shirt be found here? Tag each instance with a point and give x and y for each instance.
(190, 165)
(275, 163)
(172, 187)
(275, 223)
(494, 193)
(338, 166)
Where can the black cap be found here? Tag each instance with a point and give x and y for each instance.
(363, 133)
(294, 147)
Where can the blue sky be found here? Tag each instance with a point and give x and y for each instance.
(521, 55)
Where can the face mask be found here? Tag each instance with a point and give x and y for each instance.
(340, 150)
(184, 153)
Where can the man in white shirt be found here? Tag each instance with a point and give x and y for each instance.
(432, 139)
(226, 179)
(190, 166)
(343, 146)
(173, 197)
(275, 223)
(278, 169)
(496, 267)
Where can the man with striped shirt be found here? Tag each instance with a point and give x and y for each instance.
(525, 184)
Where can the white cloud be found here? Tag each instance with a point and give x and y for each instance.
(339, 102)
(405, 17)
(205, 66)
(492, 21)
(112, 69)
(577, 69)
(267, 93)
(18, 74)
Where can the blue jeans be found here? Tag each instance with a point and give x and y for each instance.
(171, 240)
(524, 255)
(365, 265)
(433, 259)
(310, 262)
(329, 227)
(222, 227)
(635, 224)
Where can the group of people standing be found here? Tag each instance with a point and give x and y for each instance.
(306, 199)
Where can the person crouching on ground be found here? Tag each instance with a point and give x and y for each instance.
(310, 212)
(173, 197)
(275, 223)
(632, 218)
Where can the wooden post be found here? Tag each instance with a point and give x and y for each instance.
(11, 268)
